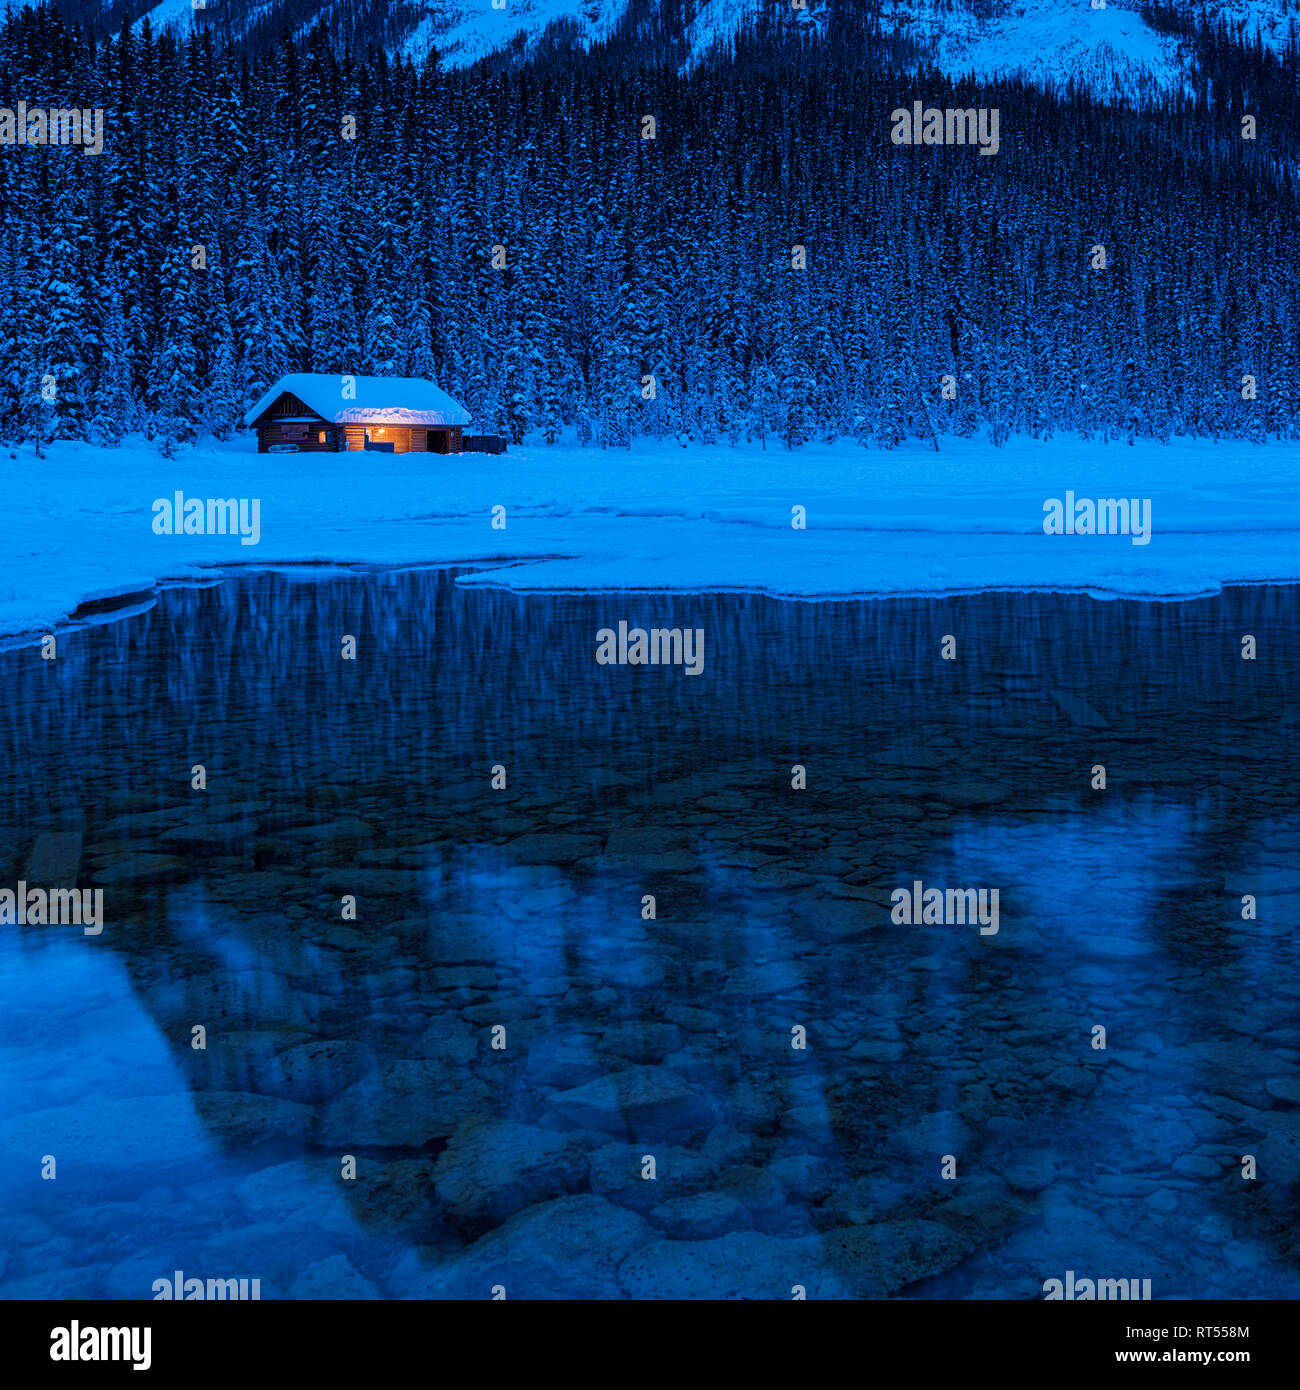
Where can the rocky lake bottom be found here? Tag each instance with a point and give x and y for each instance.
(546, 1091)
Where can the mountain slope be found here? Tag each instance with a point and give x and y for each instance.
(1142, 49)
(463, 31)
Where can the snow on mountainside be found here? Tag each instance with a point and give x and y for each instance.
(1110, 50)
(463, 31)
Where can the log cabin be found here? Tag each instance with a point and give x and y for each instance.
(309, 412)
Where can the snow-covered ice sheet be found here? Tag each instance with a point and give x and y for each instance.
(80, 521)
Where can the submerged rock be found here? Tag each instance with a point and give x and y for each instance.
(251, 1119)
(411, 1103)
(557, 848)
(804, 1176)
(641, 1042)
(700, 1216)
(568, 1248)
(333, 1278)
(1285, 1089)
(315, 1071)
(140, 868)
(398, 1196)
(762, 981)
(853, 1262)
(641, 1103)
(617, 1171)
(1030, 1173)
(564, 1062)
(493, 1168)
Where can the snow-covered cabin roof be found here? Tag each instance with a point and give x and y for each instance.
(378, 400)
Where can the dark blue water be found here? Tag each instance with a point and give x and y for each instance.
(507, 1049)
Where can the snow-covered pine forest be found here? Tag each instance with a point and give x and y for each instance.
(620, 258)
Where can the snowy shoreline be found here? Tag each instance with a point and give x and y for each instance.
(902, 523)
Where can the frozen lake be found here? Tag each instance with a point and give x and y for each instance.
(508, 1047)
